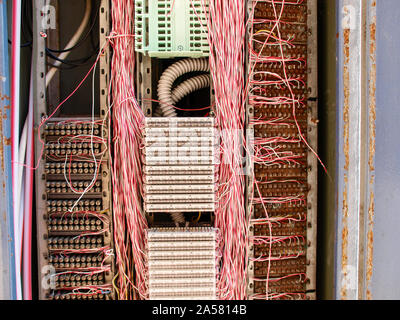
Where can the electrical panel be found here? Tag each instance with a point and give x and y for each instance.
(145, 195)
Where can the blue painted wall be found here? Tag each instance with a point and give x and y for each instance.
(385, 279)
(7, 267)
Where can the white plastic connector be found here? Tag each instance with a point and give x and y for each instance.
(182, 263)
(179, 122)
(179, 154)
(177, 188)
(179, 207)
(183, 161)
(169, 170)
(179, 179)
(187, 141)
(180, 198)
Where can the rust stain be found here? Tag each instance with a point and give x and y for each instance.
(1, 142)
(4, 97)
(346, 87)
(372, 151)
(369, 294)
(372, 98)
(346, 146)
(370, 244)
(345, 241)
(7, 141)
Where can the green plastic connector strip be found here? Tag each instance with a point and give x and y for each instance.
(163, 32)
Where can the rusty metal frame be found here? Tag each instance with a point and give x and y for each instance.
(367, 231)
(350, 162)
(382, 220)
(356, 72)
(350, 138)
(370, 127)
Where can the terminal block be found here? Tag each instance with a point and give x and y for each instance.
(171, 28)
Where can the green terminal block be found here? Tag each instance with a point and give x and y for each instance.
(165, 32)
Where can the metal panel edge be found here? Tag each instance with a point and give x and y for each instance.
(7, 252)
(313, 141)
(349, 160)
(39, 101)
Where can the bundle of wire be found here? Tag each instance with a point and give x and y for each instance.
(226, 37)
(129, 219)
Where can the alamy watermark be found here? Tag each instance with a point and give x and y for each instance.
(49, 17)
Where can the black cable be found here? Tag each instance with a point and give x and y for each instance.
(69, 64)
(28, 18)
(92, 38)
(81, 41)
(72, 62)
(28, 11)
(67, 67)
(24, 45)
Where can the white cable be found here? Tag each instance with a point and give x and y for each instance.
(170, 75)
(20, 204)
(21, 154)
(189, 86)
(66, 162)
(96, 167)
(18, 254)
(27, 199)
(74, 40)
(16, 74)
(186, 88)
